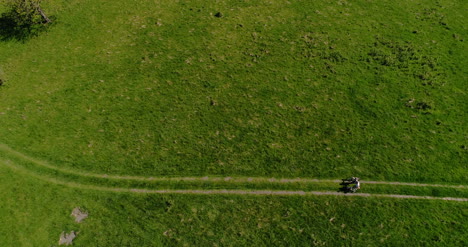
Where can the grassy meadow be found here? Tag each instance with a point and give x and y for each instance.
(318, 89)
(285, 89)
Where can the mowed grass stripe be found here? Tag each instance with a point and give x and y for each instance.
(226, 184)
(5, 148)
(219, 192)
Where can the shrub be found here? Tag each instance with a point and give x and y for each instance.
(25, 13)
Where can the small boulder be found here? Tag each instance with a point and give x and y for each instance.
(79, 215)
(67, 238)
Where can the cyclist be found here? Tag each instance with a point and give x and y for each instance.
(356, 186)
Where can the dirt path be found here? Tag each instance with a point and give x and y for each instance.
(9, 164)
(44, 164)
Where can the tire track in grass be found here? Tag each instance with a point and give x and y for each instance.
(10, 165)
(44, 164)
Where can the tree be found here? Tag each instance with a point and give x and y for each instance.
(26, 12)
(23, 19)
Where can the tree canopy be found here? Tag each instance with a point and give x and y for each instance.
(26, 12)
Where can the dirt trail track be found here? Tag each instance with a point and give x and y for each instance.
(43, 164)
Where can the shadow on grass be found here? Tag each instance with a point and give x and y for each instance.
(346, 186)
(345, 189)
(12, 30)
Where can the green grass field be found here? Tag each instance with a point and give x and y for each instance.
(283, 89)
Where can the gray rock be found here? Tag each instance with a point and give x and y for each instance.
(67, 238)
(79, 214)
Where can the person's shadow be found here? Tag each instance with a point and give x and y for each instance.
(346, 186)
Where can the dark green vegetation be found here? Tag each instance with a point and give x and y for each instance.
(320, 89)
(22, 19)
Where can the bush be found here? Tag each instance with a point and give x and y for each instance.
(25, 13)
(24, 19)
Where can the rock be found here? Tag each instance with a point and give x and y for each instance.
(79, 214)
(67, 238)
